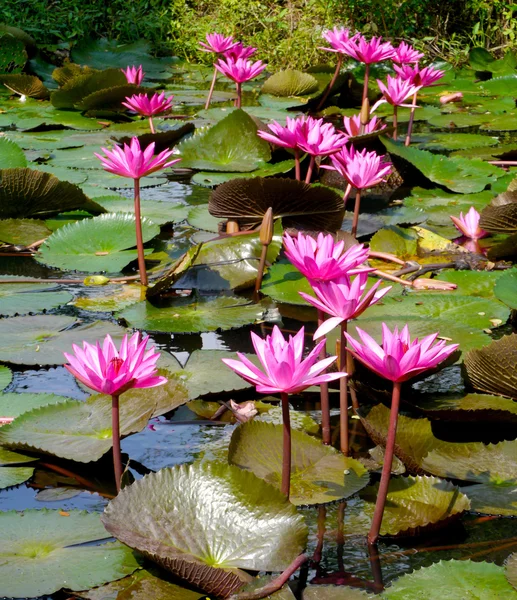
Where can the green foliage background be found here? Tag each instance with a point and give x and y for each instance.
(287, 32)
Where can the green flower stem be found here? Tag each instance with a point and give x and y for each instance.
(139, 240)
(356, 212)
(365, 85)
(343, 394)
(286, 455)
(238, 100)
(309, 170)
(151, 125)
(411, 120)
(324, 395)
(382, 494)
(395, 122)
(211, 91)
(115, 432)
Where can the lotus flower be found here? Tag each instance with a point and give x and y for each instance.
(323, 259)
(134, 75)
(285, 136)
(240, 51)
(239, 70)
(369, 51)
(143, 105)
(110, 371)
(343, 298)
(131, 161)
(361, 169)
(218, 43)
(417, 76)
(406, 54)
(399, 358)
(353, 125)
(396, 91)
(469, 224)
(338, 38)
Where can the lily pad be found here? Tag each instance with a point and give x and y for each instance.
(22, 231)
(11, 155)
(14, 404)
(232, 144)
(452, 141)
(290, 83)
(95, 245)
(11, 476)
(168, 515)
(200, 218)
(157, 212)
(81, 431)
(493, 498)
(501, 214)
(268, 170)
(8, 457)
(506, 288)
(456, 173)
(493, 369)
(511, 570)
(21, 299)
(471, 406)
(44, 551)
(298, 204)
(121, 297)
(481, 284)
(42, 339)
(208, 313)
(453, 579)
(282, 283)
(31, 193)
(81, 86)
(334, 592)
(319, 474)
(6, 376)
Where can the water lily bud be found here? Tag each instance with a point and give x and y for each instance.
(266, 229)
(96, 280)
(365, 112)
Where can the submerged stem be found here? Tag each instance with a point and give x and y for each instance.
(386, 467)
(115, 432)
(211, 91)
(139, 240)
(286, 454)
(356, 212)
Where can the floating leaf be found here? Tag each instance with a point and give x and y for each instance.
(163, 140)
(319, 474)
(8, 457)
(458, 120)
(282, 283)
(232, 144)
(25, 85)
(10, 476)
(110, 98)
(22, 232)
(44, 551)
(41, 340)
(493, 498)
(453, 579)
(210, 313)
(268, 170)
(334, 592)
(6, 376)
(157, 212)
(200, 218)
(13, 55)
(81, 86)
(14, 404)
(493, 369)
(24, 298)
(511, 570)
(473, 283)
(481, 59)
(121, 297)
(501, 215)
(506, 288)
(31, 193)
(96, 245)
(11, 155)
(68, 71)
(457, 173)
(168, 516)
(290, 83)
(452, 141)
(472, 406)
(298, 204)
(395, 240)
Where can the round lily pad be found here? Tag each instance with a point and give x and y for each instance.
(506, 288)
(44, 551)
(290, 83)
(11, 155)
(169, 517)
(209, 313)
(319, 474)
(334, 592)
(118, 298)
(157, 212)
(14, 404)
(23, 298)
(511, 570)
(282, 283)
(493, 498)
(95, 245)
(453, 579)
(6, 376)
(23, 232)
(10, 476)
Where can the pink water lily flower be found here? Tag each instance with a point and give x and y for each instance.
(110, 371)
(240, 69)
(218, 43)
(285, 371)
(399, 358)
(417, 76)
(353, 125)
(143, 105)
(361, 169)
(318, 138)
(344, 298)
(396, 91)
(285, 136)
(240, 51)
(131, 161)
(405, 54)
(134, 75)
(369, 51)
(338, 39)
(323, 259)
(469, 224)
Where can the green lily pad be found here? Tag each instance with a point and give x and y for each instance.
(25, 85)
(448, 580)
(413, 503)
(23, 231)
(232, 144)
(31, 193)
(14, 404)
(395, 240)
(120, 297)
(282, 283)
(81, 86)
(210, 313)
(200, 218)
(473, 283)
(13, 55)
(168, 515)
(44, 551)
(64, 174)
(8, 457)
(492, 498)
(95, 245)
(214, 179)
(334, 592)
(157, 212)
(493, 408)
(319, 474)
(24, 298)
(42, 339)
(81, 431)
(456, 173)
(452, 141)
(458, 120)
(6, 376)
(511, 570)
(11, 155)
(481, 59)
(506, 288)
(290, 83)
(10, 476)
(110, 98)
(493, 369)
